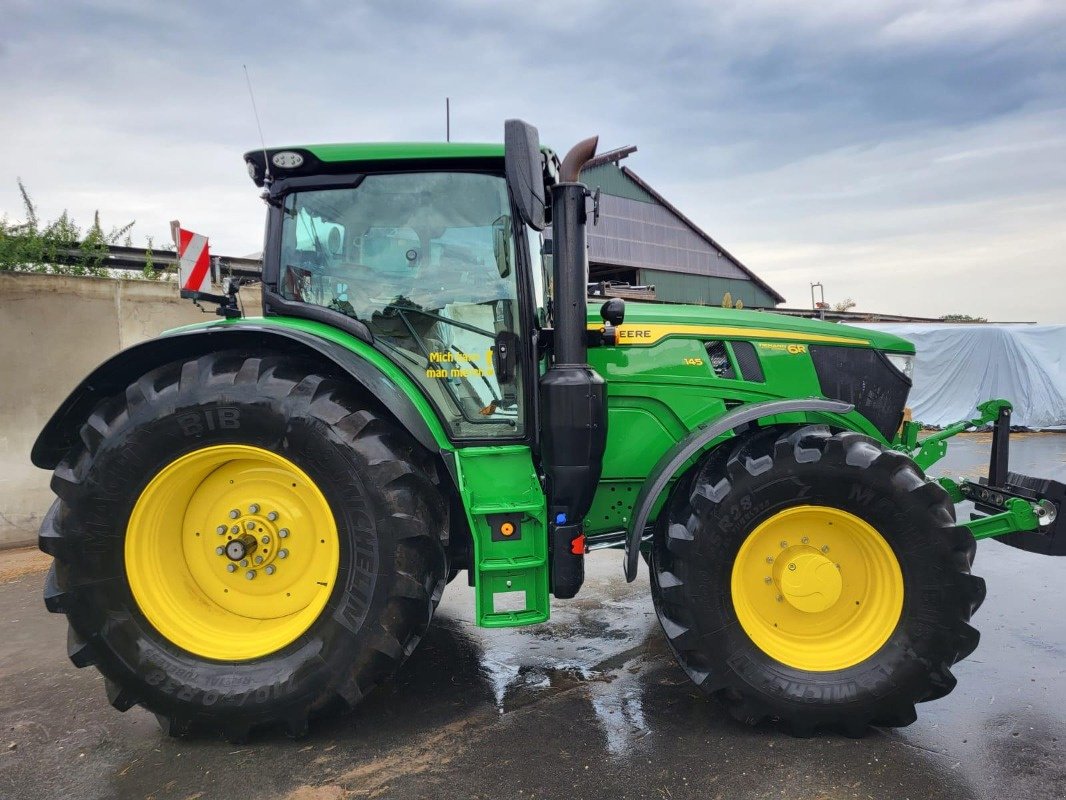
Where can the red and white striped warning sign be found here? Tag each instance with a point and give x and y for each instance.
(194, 259)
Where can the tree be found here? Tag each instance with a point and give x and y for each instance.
(962, 318)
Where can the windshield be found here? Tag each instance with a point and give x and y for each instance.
(427, 261)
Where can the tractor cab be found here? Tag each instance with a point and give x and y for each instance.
(430, 264)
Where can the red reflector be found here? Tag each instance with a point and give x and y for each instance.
(577, 545)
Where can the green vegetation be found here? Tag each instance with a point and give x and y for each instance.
(59, 247)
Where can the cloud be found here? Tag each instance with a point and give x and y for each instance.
(917, 137)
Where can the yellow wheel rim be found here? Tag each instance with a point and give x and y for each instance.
(190, 524)
(817, 588)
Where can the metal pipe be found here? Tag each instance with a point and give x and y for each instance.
(570, 268)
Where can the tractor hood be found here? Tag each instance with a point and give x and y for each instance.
(645, 323)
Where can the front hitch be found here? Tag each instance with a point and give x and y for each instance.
(1020, 510)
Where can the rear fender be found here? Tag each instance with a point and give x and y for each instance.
(395, 393)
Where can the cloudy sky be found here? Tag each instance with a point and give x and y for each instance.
(910, 155)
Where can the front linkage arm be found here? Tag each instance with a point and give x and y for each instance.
(1019, 508)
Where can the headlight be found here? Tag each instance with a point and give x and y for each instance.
(904, 364)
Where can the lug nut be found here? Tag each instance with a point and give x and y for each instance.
(250, 525)
(265, 540)
(269, 569)
(825, 548)
(231, 568)
(244, 562)
(258, 559)
(220, 551)
(283, 533)
(221, 529)
(234, 514)
(273, 515)
(283, 553)
(235, 529)
(253, 508)
(250, 574)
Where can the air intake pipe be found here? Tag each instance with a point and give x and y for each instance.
(573, 396)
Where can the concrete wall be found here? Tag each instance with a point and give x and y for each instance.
(53, 331)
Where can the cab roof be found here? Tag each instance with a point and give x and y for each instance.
(312, 159)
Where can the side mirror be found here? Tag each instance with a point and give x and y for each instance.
(524, 168)
(613, 312)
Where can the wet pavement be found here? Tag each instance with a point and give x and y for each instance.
(589, 705)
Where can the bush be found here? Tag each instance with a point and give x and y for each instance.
(57, 248)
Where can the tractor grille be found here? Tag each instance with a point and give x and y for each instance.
(748, 361)
(866, 379)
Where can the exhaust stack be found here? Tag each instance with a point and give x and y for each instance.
(573, 396)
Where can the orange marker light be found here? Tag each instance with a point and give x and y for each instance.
(507, 529)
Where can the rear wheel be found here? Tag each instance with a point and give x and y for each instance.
(815, 578)
(240, 543)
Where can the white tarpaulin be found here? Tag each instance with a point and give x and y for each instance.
(959, 366)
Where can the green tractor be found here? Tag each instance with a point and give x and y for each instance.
(256, 518)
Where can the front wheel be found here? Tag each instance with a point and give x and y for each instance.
(815, 578)
(243, 541)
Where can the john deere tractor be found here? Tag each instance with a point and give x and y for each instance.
(256, 517)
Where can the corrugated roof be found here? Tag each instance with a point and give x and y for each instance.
(701, 233)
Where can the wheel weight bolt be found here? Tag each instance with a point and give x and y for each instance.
(221, 529)
(825, 548)
(269, 569)
(806, 540)
(283, 533)
(273, 515)
(234, 514)
(283, 553)
(253, 508)
(769, 559)
(768, 579)
(231, 568)
(784, 545)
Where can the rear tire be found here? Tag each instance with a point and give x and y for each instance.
(705, 582)
(380, 486)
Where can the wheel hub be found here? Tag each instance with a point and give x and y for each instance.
(808, 580)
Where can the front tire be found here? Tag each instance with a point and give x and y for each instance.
(341, 503)
(815, 578)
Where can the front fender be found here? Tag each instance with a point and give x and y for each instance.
(675, 458)
(366, 366)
